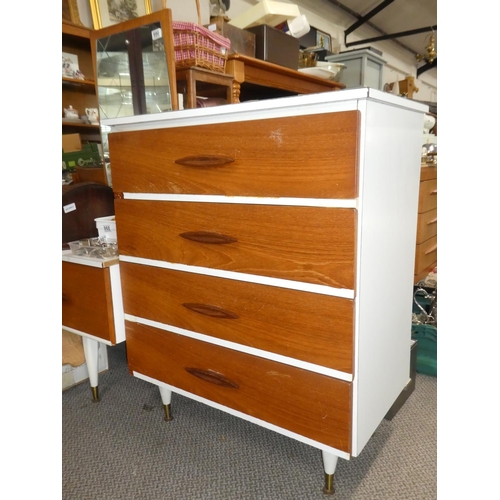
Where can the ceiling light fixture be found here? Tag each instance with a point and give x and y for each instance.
(431, 51)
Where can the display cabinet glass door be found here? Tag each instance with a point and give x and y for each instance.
(132, 74)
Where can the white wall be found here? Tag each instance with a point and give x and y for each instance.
(322, 15)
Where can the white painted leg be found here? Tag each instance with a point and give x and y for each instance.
(330, 464)
(166, 397)
(91, 351)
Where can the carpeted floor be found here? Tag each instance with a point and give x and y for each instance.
(122, 449)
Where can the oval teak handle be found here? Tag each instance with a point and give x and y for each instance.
(213, 377)
(209, 310)
(204, 161)
(208, 237)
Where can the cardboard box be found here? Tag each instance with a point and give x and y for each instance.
(88, 155)
(275, 46)
(242, 41)
(71, 142)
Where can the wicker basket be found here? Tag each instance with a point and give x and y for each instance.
(195, 45)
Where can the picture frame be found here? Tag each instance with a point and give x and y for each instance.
(70, 12)
(70, 68)
(323, 40)
(108, 12)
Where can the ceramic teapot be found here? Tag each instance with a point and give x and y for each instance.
(71, 112)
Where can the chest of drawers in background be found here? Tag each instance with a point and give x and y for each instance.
(426, 249)
(260, 244)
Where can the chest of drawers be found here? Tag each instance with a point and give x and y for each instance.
(267, 253)
(426, 249)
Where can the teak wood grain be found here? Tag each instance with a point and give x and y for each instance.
(272, 319)
(86, 300)
(307, 403)
(427, 199)
(426, 225)
(309, 244)
(269, 158)
(426, 254)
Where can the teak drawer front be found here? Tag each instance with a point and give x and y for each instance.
(86, 300)
(307, 403)
(426, 225)
(427, 199)
(309, 244)
(266, 157)
(426, 254)
(301, 325)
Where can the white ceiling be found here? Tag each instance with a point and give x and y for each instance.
(399, 16)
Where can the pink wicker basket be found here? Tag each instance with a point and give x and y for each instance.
(196, 45)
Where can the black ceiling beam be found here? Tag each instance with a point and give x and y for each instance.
(362, 20)
(427, 67)
(369, 23)
(391, 36)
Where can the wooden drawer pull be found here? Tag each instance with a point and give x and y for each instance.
(64, 297)
(212, 377)
(208, 237)
(204, 161)
(434, 192)
(433, 221)
(431, 250)
(208, 310)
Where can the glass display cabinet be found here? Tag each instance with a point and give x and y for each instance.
(135, 68)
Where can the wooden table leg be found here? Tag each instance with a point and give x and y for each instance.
(237, 69)
(191, 89)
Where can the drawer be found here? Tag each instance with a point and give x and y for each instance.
(427, 199)
(426, 225)
(427, 173)
(223, 159)
(309, 244)
(307, 403)
(86, 300)
(301, 325)
(426, 254)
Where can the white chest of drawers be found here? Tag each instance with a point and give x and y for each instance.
(267, 254)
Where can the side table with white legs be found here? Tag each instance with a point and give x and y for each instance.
(92, 306)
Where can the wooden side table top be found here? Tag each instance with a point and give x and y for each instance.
(247, 69)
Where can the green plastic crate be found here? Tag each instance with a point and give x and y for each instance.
(426, 335)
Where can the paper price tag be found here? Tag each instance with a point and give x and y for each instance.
(156, 34)
(69, 208)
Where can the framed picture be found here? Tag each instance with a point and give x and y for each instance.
(108, 12)
(70, 67)
(70, 12)
(323, 40)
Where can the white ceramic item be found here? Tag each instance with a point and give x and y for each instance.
(71, 113)
(93, 115)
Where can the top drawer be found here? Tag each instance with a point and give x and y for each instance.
(268, 157)
(86, 300)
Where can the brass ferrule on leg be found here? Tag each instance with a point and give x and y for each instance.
(328, 488)
(168, 413)
(95, 393)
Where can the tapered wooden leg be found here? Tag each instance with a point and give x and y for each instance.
(329, 464)
(91, 352)
(166, 397)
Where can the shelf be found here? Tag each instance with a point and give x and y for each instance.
(79, 83)
(79, 125)
(76, 31)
